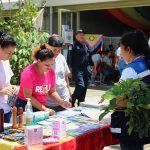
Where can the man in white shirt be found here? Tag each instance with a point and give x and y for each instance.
(62, 72)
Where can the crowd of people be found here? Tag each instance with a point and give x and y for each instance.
(46, 80)
(108, 65)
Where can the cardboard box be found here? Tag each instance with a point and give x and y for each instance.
(33, 135)
(59, 128)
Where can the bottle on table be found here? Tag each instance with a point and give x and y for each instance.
(1, 120)
(28, 113)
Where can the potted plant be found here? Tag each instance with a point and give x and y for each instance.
(133, 97)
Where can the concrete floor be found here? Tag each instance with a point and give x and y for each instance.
(93, 96)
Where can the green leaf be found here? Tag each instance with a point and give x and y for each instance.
(113, 103)
(130, 129)
(108, 95)
(130, 105)
(102, 115)
(14, 58)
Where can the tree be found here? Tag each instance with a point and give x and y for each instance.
(20, 25)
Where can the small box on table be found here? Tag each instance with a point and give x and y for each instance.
(59, 128)
(33, 135)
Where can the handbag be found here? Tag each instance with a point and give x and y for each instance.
(12, 100)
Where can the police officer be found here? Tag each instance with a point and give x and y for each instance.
(80, 60)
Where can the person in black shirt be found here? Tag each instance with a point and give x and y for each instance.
(79, 62)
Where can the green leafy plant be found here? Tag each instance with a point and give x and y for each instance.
(26, 42)
(21, 20)
(136, 96)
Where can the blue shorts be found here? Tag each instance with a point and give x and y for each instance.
(96, 57)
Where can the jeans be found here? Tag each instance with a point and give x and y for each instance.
(131, 146)
(108, 72)
(7, 117)
(81, 82)
(22, 103)
(93, 79)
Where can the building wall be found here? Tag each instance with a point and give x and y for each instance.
(46, 20)
(93, 22)
(55, 22)
(99, 22)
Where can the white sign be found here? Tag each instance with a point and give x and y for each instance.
(65, 27)
(68, 36)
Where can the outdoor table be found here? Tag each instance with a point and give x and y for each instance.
(96, 139)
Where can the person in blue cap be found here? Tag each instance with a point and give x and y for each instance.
(80, 60)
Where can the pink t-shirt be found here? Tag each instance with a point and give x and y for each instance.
(39, 84)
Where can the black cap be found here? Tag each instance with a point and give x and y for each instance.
(79, 31)
(55, 41)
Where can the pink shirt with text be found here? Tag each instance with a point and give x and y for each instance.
(39, 84)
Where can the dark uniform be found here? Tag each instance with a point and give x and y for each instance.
(80, 60)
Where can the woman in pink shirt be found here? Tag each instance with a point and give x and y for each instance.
(38, 81)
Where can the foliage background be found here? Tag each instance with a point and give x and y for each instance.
(20, 26)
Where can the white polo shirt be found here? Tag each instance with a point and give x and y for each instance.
(128, 73)
(61, 69)
(5, 77)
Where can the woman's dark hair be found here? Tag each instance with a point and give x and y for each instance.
(41, 53)
(6, 40)
(137, 42)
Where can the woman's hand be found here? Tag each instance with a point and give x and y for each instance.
(51, 111)
(9, 90)
(65, 104)
(14, 88)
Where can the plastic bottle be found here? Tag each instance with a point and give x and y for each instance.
(28, 113)
(1, 120)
